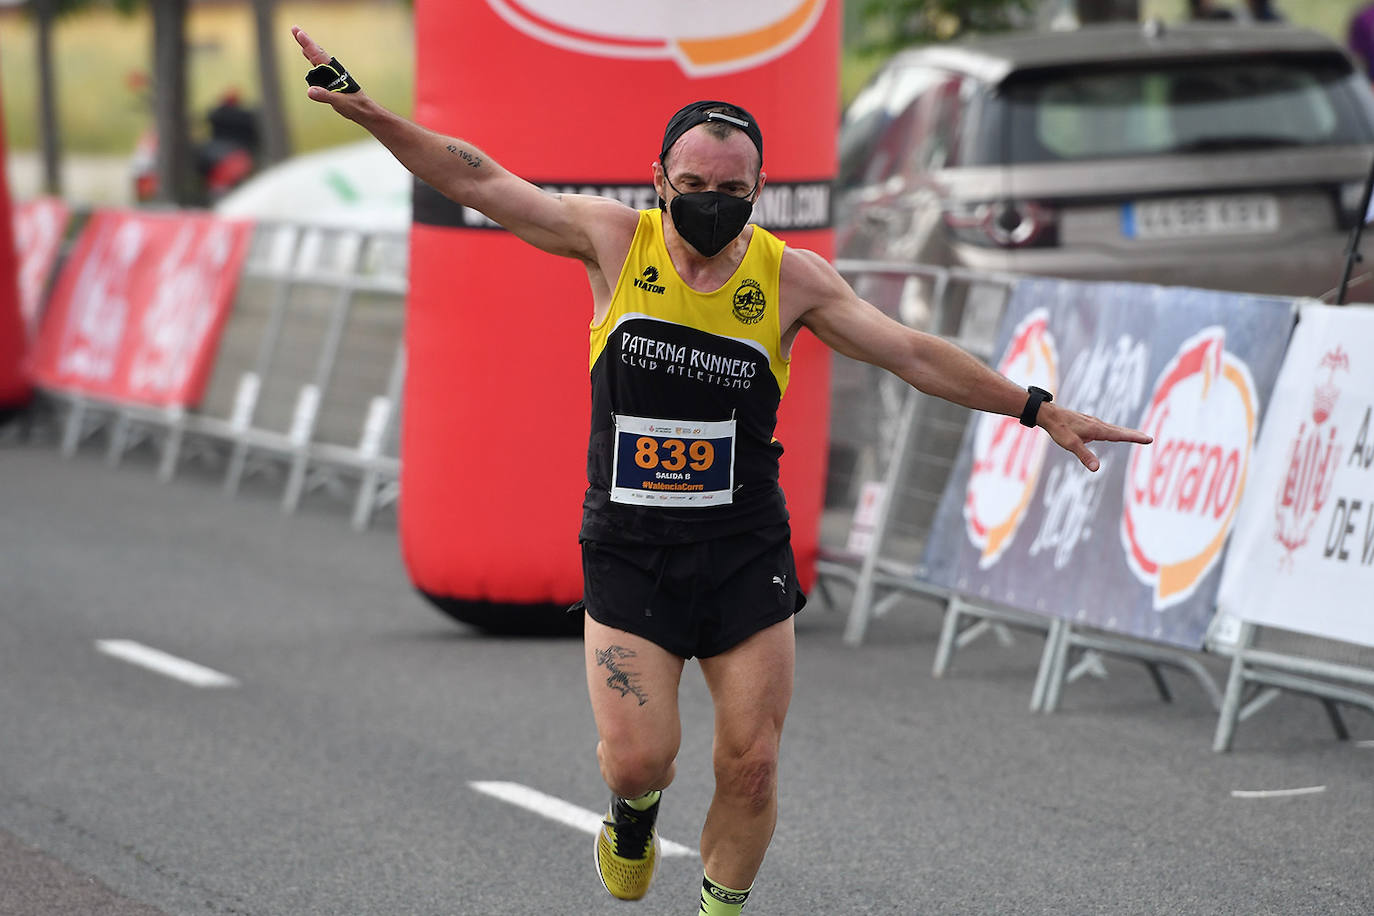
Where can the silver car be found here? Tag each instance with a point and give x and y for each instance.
(1221, 156)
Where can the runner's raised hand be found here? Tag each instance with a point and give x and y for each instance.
(330, 82)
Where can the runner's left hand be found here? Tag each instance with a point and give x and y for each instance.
(1072, 431)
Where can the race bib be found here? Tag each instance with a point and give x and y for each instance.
(677, 463)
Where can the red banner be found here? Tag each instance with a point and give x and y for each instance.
(39, 225)
(14, 387)
(136, 313)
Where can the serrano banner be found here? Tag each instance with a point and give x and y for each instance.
(575, 97)
(39, 226)
(1302, 557)
(136, 313)
(1134, 548)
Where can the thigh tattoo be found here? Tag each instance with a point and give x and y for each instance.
(621, 678)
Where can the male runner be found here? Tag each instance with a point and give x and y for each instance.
(693, 320)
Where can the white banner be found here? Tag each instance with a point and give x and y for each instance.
(1302, 554)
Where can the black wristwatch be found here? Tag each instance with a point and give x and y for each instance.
(1037, 397)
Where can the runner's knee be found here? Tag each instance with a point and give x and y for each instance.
(749, 775)
(631, 770)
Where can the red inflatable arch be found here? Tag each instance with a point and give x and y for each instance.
(575, 96)
(14, 386)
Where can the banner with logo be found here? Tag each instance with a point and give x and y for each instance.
(39, 226)
(136, 313)
(1302, 557)
(1136, 547)
(575, 98)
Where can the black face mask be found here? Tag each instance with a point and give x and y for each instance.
(710, 220)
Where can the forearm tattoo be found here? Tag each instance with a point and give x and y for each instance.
(621, 678)
(467, 156)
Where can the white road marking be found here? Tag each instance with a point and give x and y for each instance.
(1368, 744)
(135, 653)
(1276, 793)
(555, 809)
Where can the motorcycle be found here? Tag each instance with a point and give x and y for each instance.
(223, 161)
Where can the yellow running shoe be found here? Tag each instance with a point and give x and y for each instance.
(627, 850)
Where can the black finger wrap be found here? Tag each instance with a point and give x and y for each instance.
(332, 76)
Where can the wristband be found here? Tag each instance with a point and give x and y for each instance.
(332, 76)
(1037, 397)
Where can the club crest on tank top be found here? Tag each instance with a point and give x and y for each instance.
(685, 394)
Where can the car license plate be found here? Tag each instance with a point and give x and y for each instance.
(1187, 217)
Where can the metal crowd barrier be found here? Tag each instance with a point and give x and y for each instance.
(1266, 661)
(307, 381)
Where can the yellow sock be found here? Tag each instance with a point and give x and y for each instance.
(645, 801)
(718, 900)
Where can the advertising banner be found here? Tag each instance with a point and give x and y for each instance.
(575, 98)
(14, 386)
(135, 315)
(1302, 557)
(1134, 548)
(39, 226)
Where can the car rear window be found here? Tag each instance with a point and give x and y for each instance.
(862, 157)
(1177, 108)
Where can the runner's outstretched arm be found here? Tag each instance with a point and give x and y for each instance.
(558, 224)
(855, 328)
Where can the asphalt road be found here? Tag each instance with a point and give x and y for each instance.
(335, 774)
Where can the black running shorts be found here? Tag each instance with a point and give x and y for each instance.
(694, 599)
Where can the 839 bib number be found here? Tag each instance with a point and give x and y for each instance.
(673, 462)
(673, 454)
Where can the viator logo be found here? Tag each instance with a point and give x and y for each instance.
(648, 281)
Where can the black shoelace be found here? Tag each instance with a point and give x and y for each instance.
(631, 829)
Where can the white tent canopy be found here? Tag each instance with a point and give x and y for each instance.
(355, 186)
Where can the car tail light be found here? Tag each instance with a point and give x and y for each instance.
(1005, 224)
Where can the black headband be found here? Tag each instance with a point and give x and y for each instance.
(700, 113)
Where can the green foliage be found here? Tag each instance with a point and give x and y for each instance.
(103, 111)
(886, 25)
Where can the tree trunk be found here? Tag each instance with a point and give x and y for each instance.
(50, 139)
(276, 142)
(174, 174)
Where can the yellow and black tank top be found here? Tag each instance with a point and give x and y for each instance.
(685, 393)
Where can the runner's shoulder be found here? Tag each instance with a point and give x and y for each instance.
(609, 225)
(807, 276)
